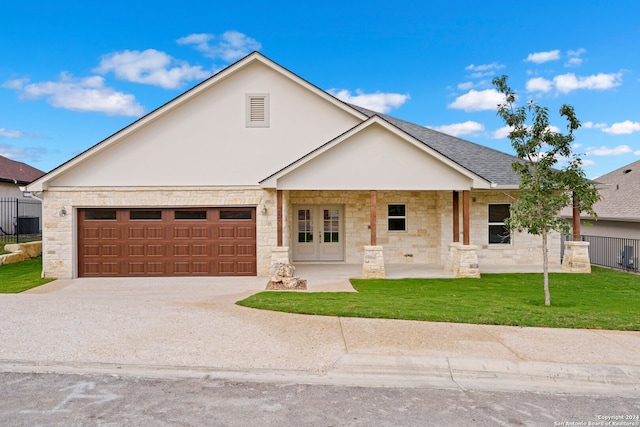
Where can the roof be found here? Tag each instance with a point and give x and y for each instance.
(17, 172)
(492, 165)
(619, 194)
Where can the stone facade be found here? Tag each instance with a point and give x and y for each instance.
(373, 265)
(59, 231)
(425, 241)
(576, 257)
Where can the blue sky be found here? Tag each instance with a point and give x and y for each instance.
(74, 72)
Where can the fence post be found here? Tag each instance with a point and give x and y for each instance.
(17, 223)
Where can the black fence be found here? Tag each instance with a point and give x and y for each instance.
(20, 220)
(612, 252)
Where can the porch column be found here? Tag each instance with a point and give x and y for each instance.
(373, 215)
(576, 220)
(465, 218)
(456, 217)
(279, 215)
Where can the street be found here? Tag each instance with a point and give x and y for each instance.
(30, 399)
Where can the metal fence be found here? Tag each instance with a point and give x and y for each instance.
(20, 220)
(612, 252)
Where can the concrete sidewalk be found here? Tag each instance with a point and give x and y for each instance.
(191, 327)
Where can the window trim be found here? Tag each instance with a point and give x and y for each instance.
(403, 217)
(490, 223)
(251, 111)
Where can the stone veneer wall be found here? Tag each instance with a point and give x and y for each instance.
(419, 244)
(525, 249)
(59, 232)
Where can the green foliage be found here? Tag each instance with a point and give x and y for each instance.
(545, 190)
(21, 276)
(601, 300)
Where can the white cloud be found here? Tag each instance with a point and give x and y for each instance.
(539, 84)
(465, 85)
(87, 94)
(12, 133)
(457, 129)
(150, 67)
(478, 100)
(484, 70)
(379, 101)
(591, 125)
(588, 162)
(502, 133)
(541, 57)
(606, 151)
(15, 84)
(229, 46)
(566, 83)
(29, 153)
(575, 59)
(624, 128)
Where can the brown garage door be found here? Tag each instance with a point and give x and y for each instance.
(167, 242)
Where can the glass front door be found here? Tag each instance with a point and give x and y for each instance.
(318, 234)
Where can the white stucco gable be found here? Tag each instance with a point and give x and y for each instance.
(202, 137)
(374, 155)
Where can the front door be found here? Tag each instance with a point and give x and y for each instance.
(318, 234)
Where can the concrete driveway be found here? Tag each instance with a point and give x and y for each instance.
(193, 325)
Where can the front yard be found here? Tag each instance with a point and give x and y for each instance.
(21, 276)
(604, 299)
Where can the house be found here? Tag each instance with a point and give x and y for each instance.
(18, 211)
(255, 166)
(14, 174)
(619, 207)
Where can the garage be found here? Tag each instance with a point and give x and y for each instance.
(215, 241)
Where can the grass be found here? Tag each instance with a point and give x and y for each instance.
(19, 277)
(604, 299)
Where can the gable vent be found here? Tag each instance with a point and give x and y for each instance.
(257, 110)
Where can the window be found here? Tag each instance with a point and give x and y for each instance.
(100, 215)
(498, 232)
(235, 214)
(181, 215)
(257, 110)
(145, 215)
(397, 217)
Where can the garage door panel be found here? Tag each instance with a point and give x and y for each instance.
(166, 242)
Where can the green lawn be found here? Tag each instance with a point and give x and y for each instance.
(604, 299)
(21, 276)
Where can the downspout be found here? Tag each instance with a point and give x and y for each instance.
(33, 194)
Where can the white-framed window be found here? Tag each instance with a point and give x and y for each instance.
(397, 217)
(257, 110)
(499, 233)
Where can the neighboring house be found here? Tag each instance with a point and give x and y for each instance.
(256, 164)
(17, 209)
(619, 208)
(15, 174)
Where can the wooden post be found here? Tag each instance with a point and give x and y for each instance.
(279, 215)
(576, 220)
(465, 217)
(456, 217)
(373, 212)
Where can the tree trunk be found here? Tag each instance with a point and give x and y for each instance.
(545, 269)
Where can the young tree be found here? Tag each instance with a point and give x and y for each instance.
(544, 189)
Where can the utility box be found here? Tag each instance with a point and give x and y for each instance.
(28, 225)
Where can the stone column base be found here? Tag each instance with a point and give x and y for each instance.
(373, 266)
(576, 257)
(279, 256)
(463, 260)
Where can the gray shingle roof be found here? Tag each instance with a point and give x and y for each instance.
(621, 195)
(490, 164)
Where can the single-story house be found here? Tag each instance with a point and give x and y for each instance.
(619, 207)
(256, 165)
(19, 212)
(14, 174)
